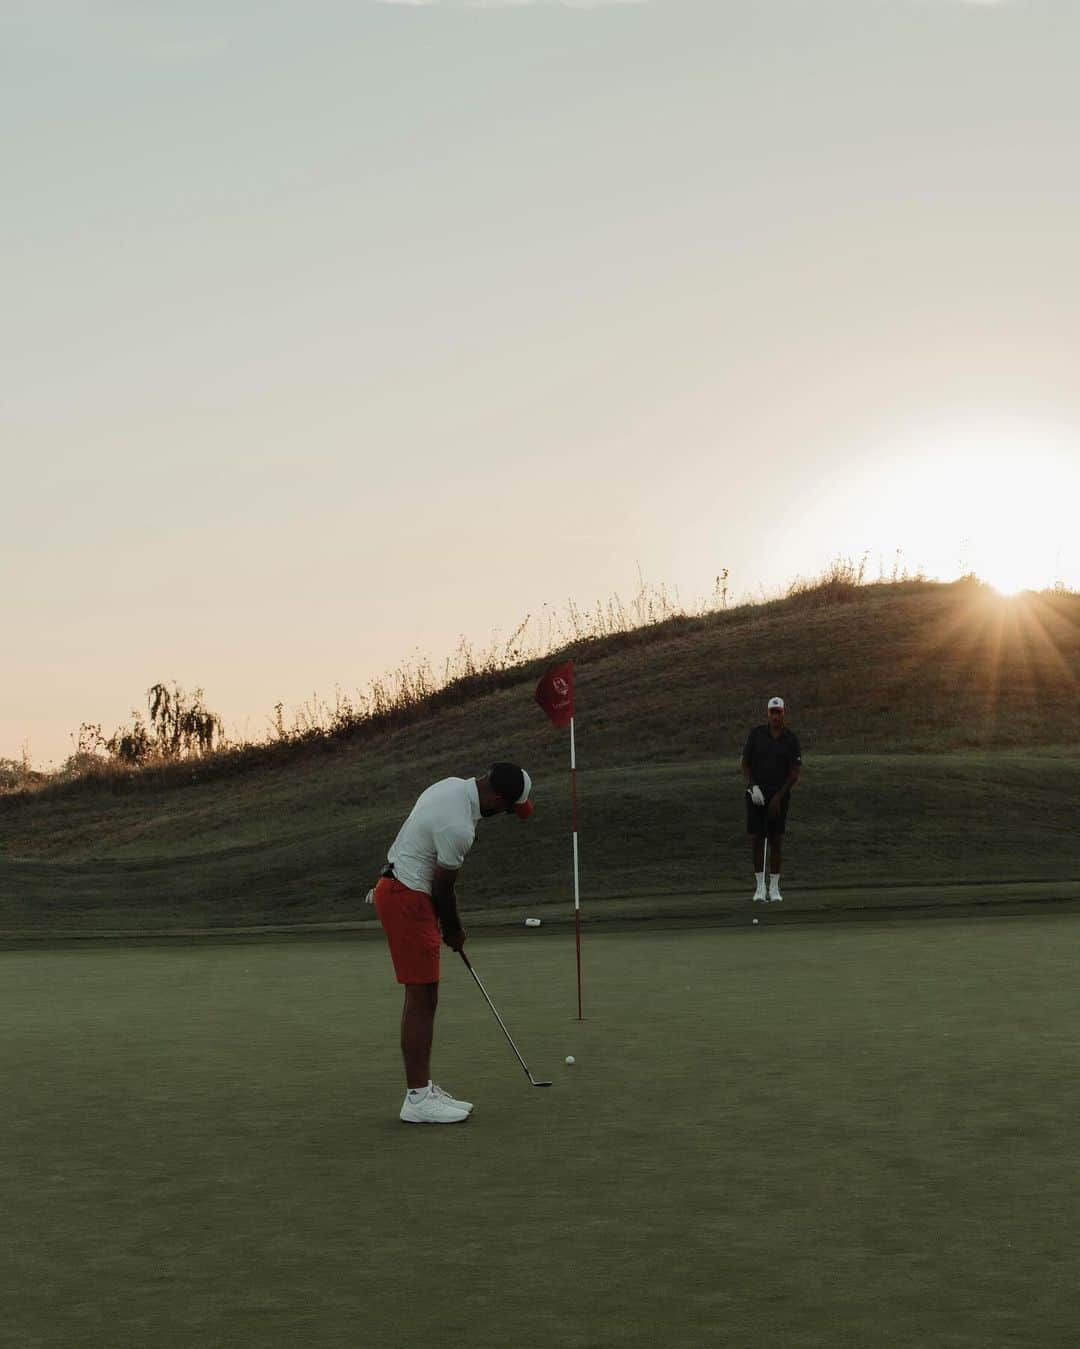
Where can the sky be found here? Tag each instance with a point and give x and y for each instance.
(333, 333)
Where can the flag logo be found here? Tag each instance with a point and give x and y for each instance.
(555, 694)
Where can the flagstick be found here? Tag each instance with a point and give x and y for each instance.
(577, 891)
(555, 694)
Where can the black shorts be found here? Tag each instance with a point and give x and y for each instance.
(756, 818)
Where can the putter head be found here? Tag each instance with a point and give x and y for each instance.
(540, 1084)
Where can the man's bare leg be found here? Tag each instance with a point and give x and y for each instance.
(417, 1032)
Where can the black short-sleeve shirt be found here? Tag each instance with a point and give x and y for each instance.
(771, 761)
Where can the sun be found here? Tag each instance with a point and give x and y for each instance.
(1010, 574)
(1017, 517)
(1009, 588)
(998, 508)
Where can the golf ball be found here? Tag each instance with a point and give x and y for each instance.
(755, 922)
(569, 1058)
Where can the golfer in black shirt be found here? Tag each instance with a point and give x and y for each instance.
(771, 760)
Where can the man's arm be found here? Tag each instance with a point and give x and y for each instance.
(745, 761)
(796, 767)
(445, 901)
(746, 767)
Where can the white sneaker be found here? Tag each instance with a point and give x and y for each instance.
(760, 896)
(431, 1109)
(436, 1090)
(775, 897)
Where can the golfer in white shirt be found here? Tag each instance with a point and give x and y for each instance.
(417, 906)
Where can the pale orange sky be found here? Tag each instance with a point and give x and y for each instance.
(335, 332)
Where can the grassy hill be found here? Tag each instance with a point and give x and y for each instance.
(941, 735)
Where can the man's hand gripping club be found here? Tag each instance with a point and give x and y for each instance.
(445, 902)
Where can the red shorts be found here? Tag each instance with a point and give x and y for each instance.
(412, 931)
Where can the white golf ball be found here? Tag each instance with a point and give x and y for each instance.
(755, 922)
(569, 1058)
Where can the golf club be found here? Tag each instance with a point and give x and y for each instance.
(499, 1019)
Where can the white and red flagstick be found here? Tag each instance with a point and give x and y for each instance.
(555, 694)
(577, 887)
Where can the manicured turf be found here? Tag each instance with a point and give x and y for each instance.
(845, 1135)
(940, 727)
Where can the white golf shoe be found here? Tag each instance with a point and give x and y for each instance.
(431, 1109)
(436, 1090)
(760, 896)
(775, 897)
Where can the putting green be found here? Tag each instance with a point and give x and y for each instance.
(802, 1136)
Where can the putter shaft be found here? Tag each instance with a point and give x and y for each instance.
(501, 1022)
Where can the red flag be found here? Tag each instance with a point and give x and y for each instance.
(555, 693)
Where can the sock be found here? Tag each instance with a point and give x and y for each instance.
(760, 875)
(419, 1093)
(776, 879)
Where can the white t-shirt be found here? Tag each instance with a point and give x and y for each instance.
(441, 828)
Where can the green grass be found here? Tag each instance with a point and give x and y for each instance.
(940, 727)
(303, 848)
(801, 1136)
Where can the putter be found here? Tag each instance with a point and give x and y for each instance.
(499, 1019)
